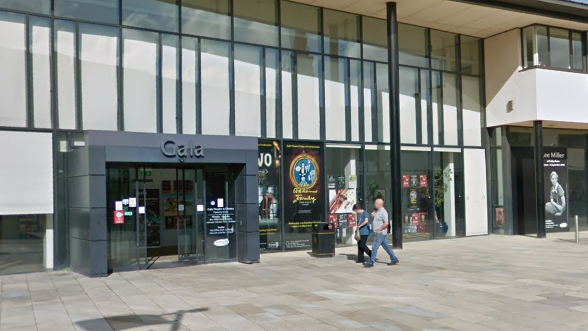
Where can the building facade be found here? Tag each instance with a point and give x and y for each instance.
(135, 131)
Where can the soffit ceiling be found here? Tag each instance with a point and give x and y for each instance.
(448, 15)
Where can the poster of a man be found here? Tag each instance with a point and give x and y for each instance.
(557, 202)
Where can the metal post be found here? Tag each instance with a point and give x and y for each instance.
(539, 178)
(394, 82)
(577, 230)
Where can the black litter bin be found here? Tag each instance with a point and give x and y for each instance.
(323, 240)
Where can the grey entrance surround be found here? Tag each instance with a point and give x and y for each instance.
(88, 239)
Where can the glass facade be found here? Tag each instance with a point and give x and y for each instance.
(552, 47)
(248, 68)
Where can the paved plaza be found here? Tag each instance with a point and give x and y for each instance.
(472, 284)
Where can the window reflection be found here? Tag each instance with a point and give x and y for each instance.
(215, 87)
(40, 34)
(375, 40)
(32, 6)
(443, 52)
(92, 10)
(412, 41)
(190, 79)
(300, 34)
(307, 76)
(151, 14)
(65, 39)
(470, 55)
(256, 21)
(336, 97)
(22, 242)
(248, 90)
(383, 99)
(12, 69)
(341, 33)
(207, 18)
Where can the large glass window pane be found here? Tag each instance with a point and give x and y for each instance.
(13, 104)
(140, 80)
(40, 34)
(375, 39)
(443, 46)
(269, 195)
(412, 41)
(445, 109)
(208, 18)
(383, 99)
(541, 56)
(470, 55)
(256, 21)
(215, 87)
(425, 105)
(336, 97)
(559, 40)
(369, 100)
(308, 68)
(577, 51)
(300, 27)
(190, 87)
(151, 14)
(65, 40)
(378, 175)
(288, 94)
(31, 6)
(354, 97)
(343, 165)
(529, 44)
(99, 52)
(169, 82)
(418, 217)
(272, 87)
(448, 195)
(409, 102)
(248, 90)
(94, 10)
(341, 33)
(472, 111)
(23, 239)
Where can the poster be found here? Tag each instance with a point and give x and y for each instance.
(413, 199)
(269, 160)
(353, 181)
(413, 181)
(332, 182)
(499, 217)
(340, 183)
(305, 196)
(556, 189)
(342, 201)
(405, 181)
(423, 180)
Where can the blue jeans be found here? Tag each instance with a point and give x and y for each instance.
(380, 240)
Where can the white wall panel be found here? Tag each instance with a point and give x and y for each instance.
(476, 208)
(26, 173)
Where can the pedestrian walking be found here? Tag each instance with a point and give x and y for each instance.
(380, 225)
(363, 232)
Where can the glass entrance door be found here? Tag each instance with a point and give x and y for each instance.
(190, 214)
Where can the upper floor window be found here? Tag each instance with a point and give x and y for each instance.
(554, 48)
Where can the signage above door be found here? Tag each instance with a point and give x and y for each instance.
(172, 149)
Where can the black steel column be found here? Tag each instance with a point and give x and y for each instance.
(539, 178)
(393, 82)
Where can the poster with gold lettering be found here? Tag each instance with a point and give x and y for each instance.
(304, 192)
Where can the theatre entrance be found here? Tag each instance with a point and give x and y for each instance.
(161, 214)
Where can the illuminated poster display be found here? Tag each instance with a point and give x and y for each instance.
(305, 196)
(555, 169)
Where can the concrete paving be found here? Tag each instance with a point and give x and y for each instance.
(471, 284)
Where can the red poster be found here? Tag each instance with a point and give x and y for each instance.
(352, 219)
(405, 181)
(423, 180)
(119, 217)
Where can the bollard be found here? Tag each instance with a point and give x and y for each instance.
(577, 230)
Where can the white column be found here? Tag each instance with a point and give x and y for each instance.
(48, 243)
(350, 170)
(449, 198)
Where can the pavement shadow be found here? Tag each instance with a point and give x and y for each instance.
(350, 257)
(131, 321)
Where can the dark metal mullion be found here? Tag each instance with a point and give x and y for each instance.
(459, 97)
(548, 46)
(232, 74)
(294, 95)
(322, 106)
(159, 83)
(571, 49)
(441, 110)
(279, 123)
(78, 78)
(120, 85)
(180, 86)
(198, 86)
(263, 94)
(30, 111)
(429, 92)
(347, 77)
(53, 74)
(360, 99)
(418, 109)
(375, 103)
